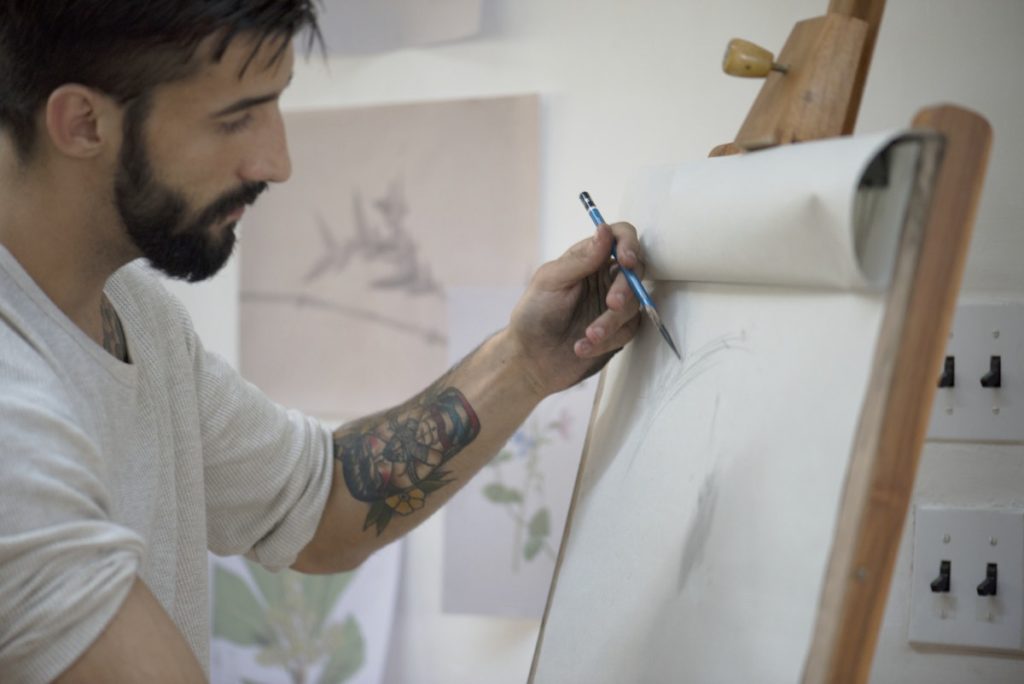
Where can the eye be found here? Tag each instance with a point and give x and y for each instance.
(236, 125)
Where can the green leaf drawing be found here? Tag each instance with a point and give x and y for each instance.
(323, 593)
(540, 523)
(501, 494)
(532, 548)
(347, 650)
(238, 615)
(271, 584)
(503, 455)
(290, 625)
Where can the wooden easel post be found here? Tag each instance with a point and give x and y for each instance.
(817, 94)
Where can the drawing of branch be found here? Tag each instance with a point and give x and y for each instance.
(389, 245)
(431, 336)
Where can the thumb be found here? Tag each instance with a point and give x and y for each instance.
(581, 260)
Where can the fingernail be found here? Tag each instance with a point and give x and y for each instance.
(597, 332)
(584, 347)
(631, 255)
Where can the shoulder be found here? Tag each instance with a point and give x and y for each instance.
(142, 301)
(29, 374)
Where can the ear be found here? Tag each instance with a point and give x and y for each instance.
(81, 121)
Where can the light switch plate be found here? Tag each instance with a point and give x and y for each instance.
(969, 539)
(968, 411)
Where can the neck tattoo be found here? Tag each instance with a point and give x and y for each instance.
(113, 334)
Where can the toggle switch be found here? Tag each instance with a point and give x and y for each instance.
(940, 585)
(994, 377)
(989, 584)
(948, 377)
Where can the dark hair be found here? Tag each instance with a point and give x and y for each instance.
(123, 47)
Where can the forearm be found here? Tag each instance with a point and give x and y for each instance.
(395, 468)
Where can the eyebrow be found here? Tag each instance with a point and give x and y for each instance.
(250, 102)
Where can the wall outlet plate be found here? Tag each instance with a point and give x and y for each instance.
(969, 539)
(967, 411)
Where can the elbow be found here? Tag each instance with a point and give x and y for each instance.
(330, 563)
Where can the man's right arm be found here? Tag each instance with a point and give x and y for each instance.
(141, 644)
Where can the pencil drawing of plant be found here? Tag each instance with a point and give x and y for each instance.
(525, 503)
(384, 243)
(385, 247)
(287, 621)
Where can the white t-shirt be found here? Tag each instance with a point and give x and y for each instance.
(111, 470)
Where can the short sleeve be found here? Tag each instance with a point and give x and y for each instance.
(268, 471)
(65, 568)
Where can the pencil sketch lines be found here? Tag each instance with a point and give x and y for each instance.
(384, 244)
(430, 336)
(699, 530)
(667, 386)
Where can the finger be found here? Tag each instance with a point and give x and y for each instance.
(607, 325)
(628, 250)
(585, 348)
(579, 261)
(620, 295)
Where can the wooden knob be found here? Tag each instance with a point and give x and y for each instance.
(747, 60)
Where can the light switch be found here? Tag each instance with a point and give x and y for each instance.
(980, 395)
(967, 584)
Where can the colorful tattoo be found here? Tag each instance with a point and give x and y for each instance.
(393, 460)
(113, 334)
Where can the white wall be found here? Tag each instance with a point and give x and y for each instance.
(631, 83)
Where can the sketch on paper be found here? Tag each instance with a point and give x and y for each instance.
(502, 529)
(345, 268)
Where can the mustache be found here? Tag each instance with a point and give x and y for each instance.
(230, 202)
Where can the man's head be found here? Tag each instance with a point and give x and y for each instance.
(193, 86)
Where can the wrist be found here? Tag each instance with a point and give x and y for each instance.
(518, 371)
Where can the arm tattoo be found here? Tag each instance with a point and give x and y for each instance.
(394, 460)
(113, 334)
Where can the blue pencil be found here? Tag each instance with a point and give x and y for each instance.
(634, 282)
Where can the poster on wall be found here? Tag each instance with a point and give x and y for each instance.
(290, 628)
(345, 269)
(503, 529)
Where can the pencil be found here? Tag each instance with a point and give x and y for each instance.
(634, 282)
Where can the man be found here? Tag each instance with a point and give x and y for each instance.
(143, 128)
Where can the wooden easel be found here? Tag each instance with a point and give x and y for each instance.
(826, 62)
(812, 91)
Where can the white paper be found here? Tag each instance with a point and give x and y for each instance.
(784, 216)
(706, 509)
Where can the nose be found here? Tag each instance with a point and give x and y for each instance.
(268, 160)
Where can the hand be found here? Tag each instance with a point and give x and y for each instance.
(578, 310)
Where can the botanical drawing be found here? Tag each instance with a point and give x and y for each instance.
(383, 245)
(524, 500)
(287, 621)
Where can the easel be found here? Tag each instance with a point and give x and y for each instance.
(812, 91)
(818, 96)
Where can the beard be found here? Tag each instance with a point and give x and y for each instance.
(159, 220)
